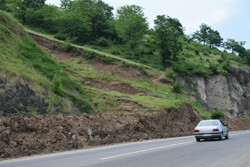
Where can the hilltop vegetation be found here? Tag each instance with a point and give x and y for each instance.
(113, 39)
(126, 34)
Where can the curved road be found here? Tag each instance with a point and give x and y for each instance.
(173, 152)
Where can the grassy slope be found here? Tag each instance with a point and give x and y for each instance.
(105, 101)
(34, 65)
(20, 56)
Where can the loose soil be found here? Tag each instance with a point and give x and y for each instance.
(117, 69)
(23, 136)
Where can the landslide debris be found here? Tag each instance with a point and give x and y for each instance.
(25, 136)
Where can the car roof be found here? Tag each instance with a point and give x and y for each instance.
(210, 120)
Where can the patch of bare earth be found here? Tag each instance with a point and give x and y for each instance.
(113, 86)
(23, 136)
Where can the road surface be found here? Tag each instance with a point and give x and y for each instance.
(173, 152)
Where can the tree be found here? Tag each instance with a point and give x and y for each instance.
(168, 31)
(208, 36)
(66, 4)
(101, 14)
(75, 24)
(2, 4)
(235, 46)
(131, 26)
(34, 3)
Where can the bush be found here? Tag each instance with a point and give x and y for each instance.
(178, 87)
(213, 68)
(192, 68)
(104, 42)
(107, 59)
(57, 86)
(67, 45)
(89, 54)
(61, 36)
(217, 114)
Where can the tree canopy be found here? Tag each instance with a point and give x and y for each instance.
(235, 46)
(131, 25)
(208, 36)
(168, 31)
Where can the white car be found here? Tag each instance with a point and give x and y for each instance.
(208, 129)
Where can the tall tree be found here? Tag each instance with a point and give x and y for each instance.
(207, 36)
(235, 46)
(131, 25)
(66, 4)
(168, 31)
(100, 16)
(34, 3)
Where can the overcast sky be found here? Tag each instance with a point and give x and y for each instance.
(230, 17)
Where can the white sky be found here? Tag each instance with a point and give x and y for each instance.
(229, 17)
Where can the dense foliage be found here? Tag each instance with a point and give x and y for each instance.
(126, 34)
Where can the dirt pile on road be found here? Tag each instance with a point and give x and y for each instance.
(23, 136)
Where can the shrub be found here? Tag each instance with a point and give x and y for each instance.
(57, 86)
(170, 74)
(217, 114)
(89, 54)
(67, 45)
(178, 87)
(61, 36)
(197, 52)
(80, 62)
(107, 59)
(213, 68)
(104, 42)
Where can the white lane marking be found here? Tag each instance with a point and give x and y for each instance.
(147, 150)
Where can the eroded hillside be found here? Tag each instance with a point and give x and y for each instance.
(47, 90)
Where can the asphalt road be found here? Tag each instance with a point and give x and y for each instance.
(173, 152)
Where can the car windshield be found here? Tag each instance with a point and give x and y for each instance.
(208, 123)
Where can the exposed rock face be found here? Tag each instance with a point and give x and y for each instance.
(16, 97)
(229, 93)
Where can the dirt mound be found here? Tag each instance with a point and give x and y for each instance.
(238, 124)
(23, 136)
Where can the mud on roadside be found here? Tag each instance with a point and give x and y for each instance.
(23, 136)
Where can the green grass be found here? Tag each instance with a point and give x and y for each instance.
(103, 55)
(201, 109)
(20, 56)
(29, 62)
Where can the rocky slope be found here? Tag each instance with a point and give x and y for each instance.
(17, 97)
(228, 93)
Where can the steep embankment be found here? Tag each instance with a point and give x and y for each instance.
(229, 93)
(128, 99)
(31, 81)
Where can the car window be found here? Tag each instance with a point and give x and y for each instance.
(208, 123)
(222, 123)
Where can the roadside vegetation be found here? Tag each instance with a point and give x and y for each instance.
(125, 33)
(116, 37)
